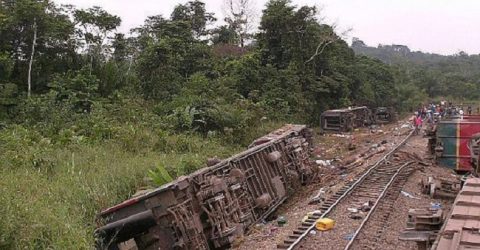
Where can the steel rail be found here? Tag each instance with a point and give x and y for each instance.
(372, 210)
(355, 184)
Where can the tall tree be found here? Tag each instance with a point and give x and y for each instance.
(94, 26)
(195, 14)
(53, 49)
(240, 16)
(30, 64)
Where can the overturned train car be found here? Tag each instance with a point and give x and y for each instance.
(455, 143)
(344, 120)
(384, 115)
(214, 206)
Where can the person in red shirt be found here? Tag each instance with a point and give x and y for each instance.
(418, 124)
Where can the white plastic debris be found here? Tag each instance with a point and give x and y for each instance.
(352, 210)
(341, 135)
(323, 163)
(409, 195)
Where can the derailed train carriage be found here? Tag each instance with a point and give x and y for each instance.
(344, 120)
(455, 143)
(214, 206)
(384, 115)
(348, 119)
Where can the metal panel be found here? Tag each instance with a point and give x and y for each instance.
(461, 230)
(452, 143)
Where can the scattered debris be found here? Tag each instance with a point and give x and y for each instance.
(348, 236)
(409, 195)
(341, 135)
(435, 206)
(273, 230)
(352, 210)
(422, 226)
(281, 221)
(323, 163)
(324, 224)
(314, 212)
(366, 206)
(356, 216)
(440, 187)
(305, 218)
(319, 197)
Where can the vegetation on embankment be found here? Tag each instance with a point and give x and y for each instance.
(52, 186)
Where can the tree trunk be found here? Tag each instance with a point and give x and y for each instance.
(31, 58)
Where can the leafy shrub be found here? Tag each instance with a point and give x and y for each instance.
(159, 175)
(77, 89)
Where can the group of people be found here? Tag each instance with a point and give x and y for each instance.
(431, 113)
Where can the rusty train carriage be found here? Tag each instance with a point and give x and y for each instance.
(344, 120)
(384, 115)
(461, 229)
(214, 206)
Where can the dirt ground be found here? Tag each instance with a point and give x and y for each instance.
(332, 177)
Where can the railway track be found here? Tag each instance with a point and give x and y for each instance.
(373, 226)
(381, 183)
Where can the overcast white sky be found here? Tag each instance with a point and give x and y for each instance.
(438, 26)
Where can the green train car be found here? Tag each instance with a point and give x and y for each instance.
(454, 146)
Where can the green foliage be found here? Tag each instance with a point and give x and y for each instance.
(35, 171)
(55, 49)
(75, 89)
(95, 23)
(6, 66)
(224, 35)
(160, 175)
(194, 14)
(454, 76)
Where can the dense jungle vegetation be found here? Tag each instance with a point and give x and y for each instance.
(89, 115)
(456, 77)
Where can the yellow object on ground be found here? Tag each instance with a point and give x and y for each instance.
(324, 224)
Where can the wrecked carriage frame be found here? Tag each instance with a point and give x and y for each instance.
(384, 115)
(346, 120)
(214, 206)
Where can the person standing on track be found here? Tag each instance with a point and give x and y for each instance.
(413, 120)
(418, 124)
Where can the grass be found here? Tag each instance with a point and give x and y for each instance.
(50, 193)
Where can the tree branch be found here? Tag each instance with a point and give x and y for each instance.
(320, 48)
